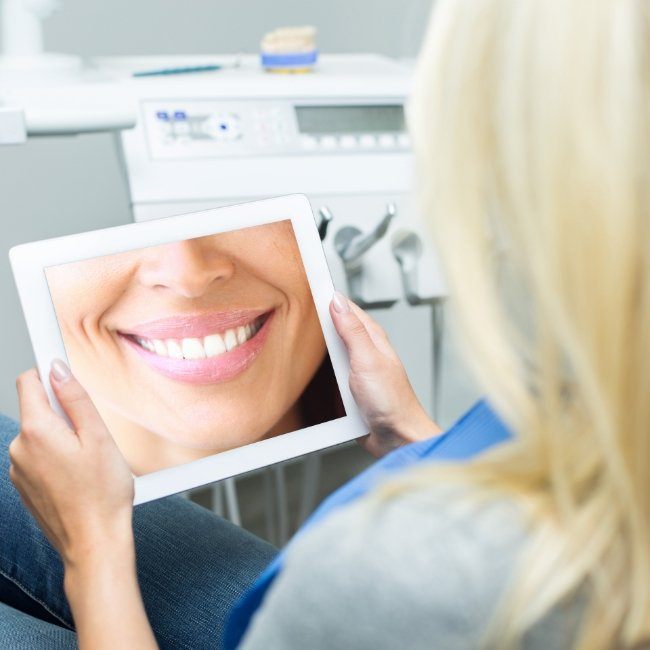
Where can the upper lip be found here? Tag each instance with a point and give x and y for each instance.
(193, 325)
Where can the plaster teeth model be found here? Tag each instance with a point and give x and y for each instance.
(289, 49)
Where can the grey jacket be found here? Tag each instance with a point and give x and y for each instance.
(422, 570)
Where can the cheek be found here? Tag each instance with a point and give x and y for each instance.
(272, 254)
(308, 345)
(79, 306)
(73, 307)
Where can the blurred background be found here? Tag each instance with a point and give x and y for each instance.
(58, 185)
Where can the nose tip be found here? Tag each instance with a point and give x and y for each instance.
(187, 268)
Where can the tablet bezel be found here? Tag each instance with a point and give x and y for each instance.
(29, 261)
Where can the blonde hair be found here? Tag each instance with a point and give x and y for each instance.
(531, 121)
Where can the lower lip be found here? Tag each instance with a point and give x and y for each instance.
(211, 370)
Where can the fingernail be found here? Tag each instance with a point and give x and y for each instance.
(340, 303)
(60, 370)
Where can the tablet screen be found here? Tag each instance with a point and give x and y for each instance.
(198, 346)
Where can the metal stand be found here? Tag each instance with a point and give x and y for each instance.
(276, 505)
(217, 499)
(282, 505)
(226, 490)
(311, 469)
(269, 508)
(438, 328)
(232, 502)
(407, 250)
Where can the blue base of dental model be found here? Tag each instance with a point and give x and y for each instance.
(289, 60)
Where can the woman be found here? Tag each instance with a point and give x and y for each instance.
(197, 346)
(531, 122)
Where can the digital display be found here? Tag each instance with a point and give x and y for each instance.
(230, 353)
(350, 119)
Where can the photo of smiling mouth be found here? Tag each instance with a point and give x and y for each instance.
(201, 349)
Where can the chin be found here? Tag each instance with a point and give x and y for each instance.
(214, 443)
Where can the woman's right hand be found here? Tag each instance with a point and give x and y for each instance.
(73, 479)
(379, 382)
(76, 483)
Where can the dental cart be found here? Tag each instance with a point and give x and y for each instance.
(337, 135)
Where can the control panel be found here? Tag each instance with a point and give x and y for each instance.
(178, 129)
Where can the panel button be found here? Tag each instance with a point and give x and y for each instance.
(181, 128)
(404, 140)
(328, 142)
(348, 142)
(368, 141)
(387, 141)
(223, 126)
(308, 142)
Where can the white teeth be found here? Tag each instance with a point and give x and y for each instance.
(213, 345)
(146, 344)
(159, 348)
(230, 339)
(174, 350)
(194, 348)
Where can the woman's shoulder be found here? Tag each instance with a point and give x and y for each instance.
(425, 563)
(422, 531)
(439, 547)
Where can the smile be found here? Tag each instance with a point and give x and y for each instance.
(216, 347)
(194, 348)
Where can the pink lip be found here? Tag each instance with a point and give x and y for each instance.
(188, 326)
(210, 370)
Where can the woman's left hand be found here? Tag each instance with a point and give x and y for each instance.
(74, 481)
(379, 383)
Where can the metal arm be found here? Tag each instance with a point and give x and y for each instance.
(325, 219)
(407, 249)
(351, 244)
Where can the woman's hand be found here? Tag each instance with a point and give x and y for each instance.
(79, 488)
(74, 481)
(379, 382)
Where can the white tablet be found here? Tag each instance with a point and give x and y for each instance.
(204, 340)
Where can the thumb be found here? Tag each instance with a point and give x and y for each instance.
(352, 330)
(75, 401)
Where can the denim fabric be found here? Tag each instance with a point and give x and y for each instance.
(20, 631)
(192, 567)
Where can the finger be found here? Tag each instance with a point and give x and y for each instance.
(33, 402)
(350, 328)
(374, 329)
(75, 401)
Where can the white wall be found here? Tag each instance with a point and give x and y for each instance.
(55, 186)
(196, 26)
